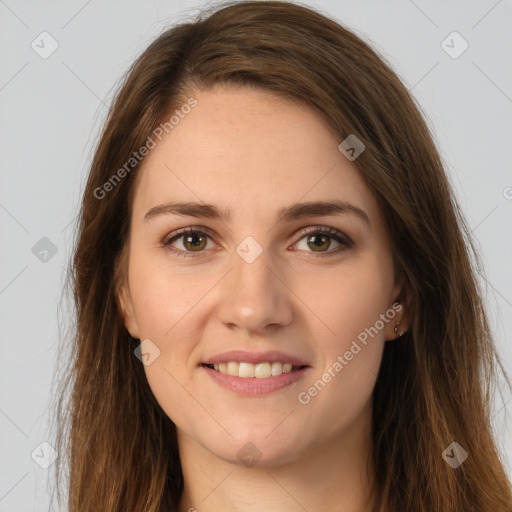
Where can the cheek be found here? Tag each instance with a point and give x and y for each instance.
(162, 296)
(165, 306)
(350, 338)
(346, 302)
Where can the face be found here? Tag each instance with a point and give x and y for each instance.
(227, 298)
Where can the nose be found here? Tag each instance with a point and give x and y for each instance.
(254, 297)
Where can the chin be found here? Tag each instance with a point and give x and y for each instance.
(256, 448)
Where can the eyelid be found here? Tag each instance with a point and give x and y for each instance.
(324, 230)
(184, 231)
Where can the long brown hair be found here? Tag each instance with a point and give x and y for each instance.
(435, 383)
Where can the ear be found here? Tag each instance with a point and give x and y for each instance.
(402, 306)
(123, 295)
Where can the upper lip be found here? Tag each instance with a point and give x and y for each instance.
(243, 356)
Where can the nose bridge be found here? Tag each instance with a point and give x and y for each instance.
(254, 296)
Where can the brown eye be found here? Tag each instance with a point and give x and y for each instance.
(192, 241)
(320, 239)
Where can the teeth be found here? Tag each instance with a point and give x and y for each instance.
(249, 370)
(245, 370)
(263, 370)
(277, 368)
(233, 367)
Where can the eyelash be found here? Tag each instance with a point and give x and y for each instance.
(344, 240)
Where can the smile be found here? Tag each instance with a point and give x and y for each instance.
(250, 370)
(255, 379)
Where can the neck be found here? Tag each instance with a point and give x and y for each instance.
(335, 474)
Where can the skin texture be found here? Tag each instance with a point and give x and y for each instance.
(255, 153)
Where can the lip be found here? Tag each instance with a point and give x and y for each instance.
(254, 386)
(243, 356)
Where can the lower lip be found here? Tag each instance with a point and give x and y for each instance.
(255, 386)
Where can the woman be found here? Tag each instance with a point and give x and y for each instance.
(276, 303)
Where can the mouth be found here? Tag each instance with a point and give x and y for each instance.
(251, 374)
(255, 373)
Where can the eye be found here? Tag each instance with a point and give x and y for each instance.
(194, 240)
(319, 238)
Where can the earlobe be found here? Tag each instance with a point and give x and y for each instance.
(397, 330)
(400, 323)
(397, 326)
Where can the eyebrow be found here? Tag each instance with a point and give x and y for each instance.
(296, 211)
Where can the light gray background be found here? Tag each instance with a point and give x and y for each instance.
(53, 108)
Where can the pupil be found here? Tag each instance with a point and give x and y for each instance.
(194, 240)
(318, 237)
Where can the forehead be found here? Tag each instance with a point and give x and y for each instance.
(252, 152)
